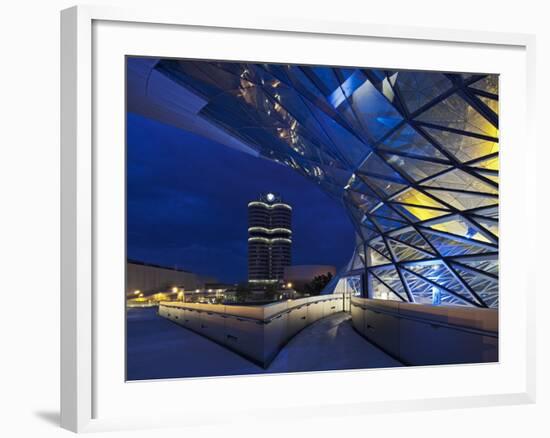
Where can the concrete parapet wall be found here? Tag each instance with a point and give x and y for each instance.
(256, 332)
(428, 335)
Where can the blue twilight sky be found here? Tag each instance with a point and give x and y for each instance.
(187, 204)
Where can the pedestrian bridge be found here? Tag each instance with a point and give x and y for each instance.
(410, 333)
(160, 349)
(255, 332)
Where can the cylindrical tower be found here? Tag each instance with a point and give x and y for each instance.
(269, 239)
(258, 241)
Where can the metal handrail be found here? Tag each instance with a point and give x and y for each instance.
(248, 318)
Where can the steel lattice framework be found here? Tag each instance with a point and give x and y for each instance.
(413, 157)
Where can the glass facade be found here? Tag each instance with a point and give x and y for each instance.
(412, 156)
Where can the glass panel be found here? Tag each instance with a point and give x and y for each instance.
(359, 258)
(384, 187)
(376, 258)
(455, 113)
(463, 147)
(489, 265)
(354, 285)
(413, 196)
(374, 165)
(419, 88)
(374, 111)
(426, 293)
(416, 169)
(325, 78)
(390, 277)
(405, 253)
(489, 225)
(490, 164)
(348, 144)
(407, 140)
(459, 226)
(448, 246)
(363, 202)
(489, 84)
(387, 224)
(412, 238)
(489, 212)
(419, 214)
(463, 201)
(491, 103)
(383, 210)
(460, 180)
(382, 292)
(440, 274)
(380, 246)
(485, 287)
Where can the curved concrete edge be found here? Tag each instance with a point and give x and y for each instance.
(428, 335)
(257, 333)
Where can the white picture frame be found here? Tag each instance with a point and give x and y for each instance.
(81, 333)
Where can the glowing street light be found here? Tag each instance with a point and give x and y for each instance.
(289, 285)
(137, 292)
(175, 290)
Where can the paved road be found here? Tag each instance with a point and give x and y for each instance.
(160, 349)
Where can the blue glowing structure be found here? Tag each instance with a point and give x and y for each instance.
(412, 156)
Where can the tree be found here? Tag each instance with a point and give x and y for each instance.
(242, 291)
(271, 291)
(316, 286)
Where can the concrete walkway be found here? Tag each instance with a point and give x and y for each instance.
(330, 344)
(160, 349)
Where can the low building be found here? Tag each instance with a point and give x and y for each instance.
(218, 287)
(148, 279)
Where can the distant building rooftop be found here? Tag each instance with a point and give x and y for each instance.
(153, 265)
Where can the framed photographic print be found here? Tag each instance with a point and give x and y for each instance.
(306, 208)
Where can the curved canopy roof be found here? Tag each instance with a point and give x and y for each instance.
(412, 156)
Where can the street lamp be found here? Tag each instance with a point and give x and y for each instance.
(137, 292)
